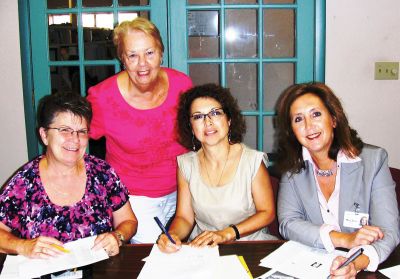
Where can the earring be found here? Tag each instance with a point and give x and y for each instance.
(194, 146)
(229, 137)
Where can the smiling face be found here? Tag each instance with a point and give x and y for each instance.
(312, 124)
(209, 131)
(65, 148)
(142, 59)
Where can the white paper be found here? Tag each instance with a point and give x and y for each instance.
(81, 254)
(275, 274)
(187, 263)
(301, 261)
(391, 272)
(230, 267)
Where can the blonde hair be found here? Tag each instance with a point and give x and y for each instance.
(138, 24)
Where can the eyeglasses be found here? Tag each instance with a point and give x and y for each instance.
(67, 131)
(214, 114)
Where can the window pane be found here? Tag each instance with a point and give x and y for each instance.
(61, 4)
(97, 3)
(269, 132)
(65, 79)
(241, 33)
(204, 73)
(133, 2)
(124, 16)
(63, 37)
(250, 138)
(96, 74)
(277, 77)
(203, 34)
(279, 33)
(242, 81)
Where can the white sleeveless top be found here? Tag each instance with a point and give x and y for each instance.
(215, 208)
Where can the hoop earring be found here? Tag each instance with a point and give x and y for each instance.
(194, 146)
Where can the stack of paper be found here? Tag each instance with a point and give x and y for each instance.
(81, 254)
(299, 261)
(192, 263)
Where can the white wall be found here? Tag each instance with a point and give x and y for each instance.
(13, 150)
(359, 33)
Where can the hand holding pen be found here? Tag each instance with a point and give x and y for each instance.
(341, 262)
(166, 242)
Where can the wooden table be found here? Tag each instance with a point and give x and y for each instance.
(129, 262)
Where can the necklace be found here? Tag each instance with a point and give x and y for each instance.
(223, 169)
(325, 173)
(58, 191)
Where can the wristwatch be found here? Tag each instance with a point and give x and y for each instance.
(120, 238)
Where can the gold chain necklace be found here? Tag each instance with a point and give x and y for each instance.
(223, 169)
(53, 186)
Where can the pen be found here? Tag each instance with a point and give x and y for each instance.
(60, 248)
(163, 229)
(350, 259)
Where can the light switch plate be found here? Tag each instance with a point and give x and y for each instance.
(386, 70)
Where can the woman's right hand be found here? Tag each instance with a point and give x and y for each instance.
(166, 246)
(42, 247)
(346, 272)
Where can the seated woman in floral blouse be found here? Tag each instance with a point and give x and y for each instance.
(64, 194)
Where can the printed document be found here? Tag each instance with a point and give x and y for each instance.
(192, 263)
(80, 254)
(301, 261)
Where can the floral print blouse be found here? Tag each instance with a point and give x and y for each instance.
(26, 208)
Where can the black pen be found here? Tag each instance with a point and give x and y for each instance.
(163, 229)
(350, 259)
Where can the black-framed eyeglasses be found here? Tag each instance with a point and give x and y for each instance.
(213, 114)
(69, 132)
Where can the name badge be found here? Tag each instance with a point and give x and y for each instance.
(355, 219)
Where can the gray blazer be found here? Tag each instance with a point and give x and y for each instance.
(367, 183)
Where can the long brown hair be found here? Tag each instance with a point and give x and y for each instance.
(290, 150)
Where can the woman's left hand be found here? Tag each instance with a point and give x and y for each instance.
(212, 238)
(109, 242)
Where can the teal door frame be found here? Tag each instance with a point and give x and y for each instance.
(309, 59)
(170, 18)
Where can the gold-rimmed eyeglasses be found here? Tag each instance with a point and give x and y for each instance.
(69, 132)
(213, 114)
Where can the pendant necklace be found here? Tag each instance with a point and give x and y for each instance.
(223, 169)
(325, 173)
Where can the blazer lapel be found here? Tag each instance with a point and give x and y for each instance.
(307, 191)
(351, 175)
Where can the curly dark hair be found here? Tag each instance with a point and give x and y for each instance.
(290, 150)
(50, 105)
(228, 103)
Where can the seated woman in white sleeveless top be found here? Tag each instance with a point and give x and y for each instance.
(224, 190)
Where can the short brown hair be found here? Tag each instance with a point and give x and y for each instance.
(138, 24)
(290, 150)
(229, 106)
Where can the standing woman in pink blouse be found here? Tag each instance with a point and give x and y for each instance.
(135, 110)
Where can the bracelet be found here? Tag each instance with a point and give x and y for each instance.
(236, 231)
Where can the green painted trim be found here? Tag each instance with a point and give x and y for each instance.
(178, 43)
(27, 82)
(305, 39)
(320, 40)
(158, 9)
(40, 68)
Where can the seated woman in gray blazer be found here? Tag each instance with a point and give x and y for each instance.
(335, 190)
